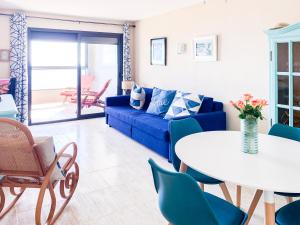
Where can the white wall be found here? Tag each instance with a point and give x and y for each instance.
(243, 49)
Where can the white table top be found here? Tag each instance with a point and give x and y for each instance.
(7, 105)
(218, 154)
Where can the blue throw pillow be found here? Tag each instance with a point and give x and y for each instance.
(184, 104)
(160, 101)
(137, 97)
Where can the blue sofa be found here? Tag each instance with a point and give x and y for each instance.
(152, 130)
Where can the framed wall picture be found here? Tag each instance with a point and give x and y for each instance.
(206, 48)
(158, 51)
(4, 55)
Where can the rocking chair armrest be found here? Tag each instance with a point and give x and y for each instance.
(73, 156)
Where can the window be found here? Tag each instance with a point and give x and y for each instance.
(54, 64)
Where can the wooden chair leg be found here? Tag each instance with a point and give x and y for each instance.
(201, 185)
(238, 195)
(226, 192)
(70, 183)
(39, 205)
(11, 205)
(183, 167)
(2, 199)
(289, 199)
(253, 204)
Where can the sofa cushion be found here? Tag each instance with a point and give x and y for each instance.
(184, 104)
(137, 97)
(124, 113)
(148, 92)
(218, 106)
(159, 146)
(120, 125)
(153, 125)
(160, 101)
(207, 105)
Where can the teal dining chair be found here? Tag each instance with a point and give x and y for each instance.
(289, 214)
(288, 132)
(283, 131)
(179, 129)
(182, 202)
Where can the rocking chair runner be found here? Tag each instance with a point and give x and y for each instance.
(20, 167)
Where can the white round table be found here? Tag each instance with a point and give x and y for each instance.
(218, 154)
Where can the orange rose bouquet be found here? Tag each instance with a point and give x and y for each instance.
(250, 108)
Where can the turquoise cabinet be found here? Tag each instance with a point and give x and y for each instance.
(285, 75)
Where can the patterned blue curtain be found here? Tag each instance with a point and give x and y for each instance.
(18, 35)
(126, 53)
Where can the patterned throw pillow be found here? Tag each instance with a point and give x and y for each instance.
(137, 97)
(160, 101)
(184, 104)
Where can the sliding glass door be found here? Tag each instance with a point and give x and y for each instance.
(99, 72)
(53, 77)
(71, 73)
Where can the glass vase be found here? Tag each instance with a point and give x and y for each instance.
(249, 136)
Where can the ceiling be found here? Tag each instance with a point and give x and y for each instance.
(130, 10)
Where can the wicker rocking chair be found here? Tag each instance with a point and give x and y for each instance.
(22, 168)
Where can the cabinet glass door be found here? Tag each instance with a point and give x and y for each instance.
(296, 83)
(288, 83)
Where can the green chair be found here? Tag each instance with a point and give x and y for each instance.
(182, 202)
(179, 129)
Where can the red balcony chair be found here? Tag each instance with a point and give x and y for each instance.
(92, 98)
(86, 84)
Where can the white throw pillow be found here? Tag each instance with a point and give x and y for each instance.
(184, 104)
(137, 97)
(46, 153)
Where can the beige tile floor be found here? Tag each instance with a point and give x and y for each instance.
(59, 111)
(115, 186)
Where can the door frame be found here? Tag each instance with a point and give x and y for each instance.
(79, 34)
